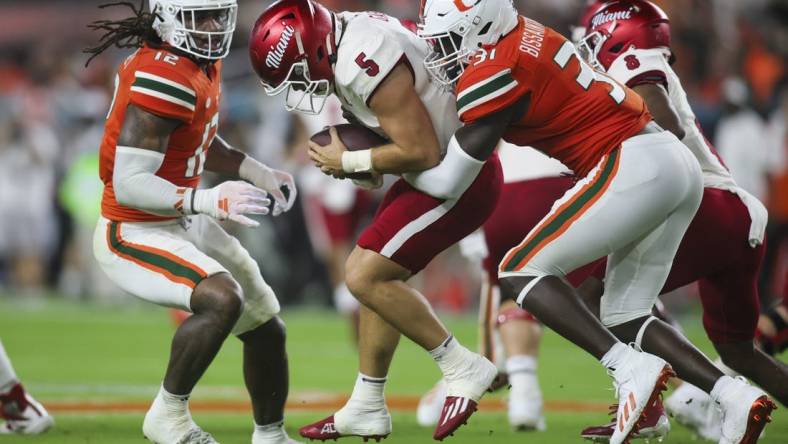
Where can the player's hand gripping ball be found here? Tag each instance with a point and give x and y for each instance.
(326, 147)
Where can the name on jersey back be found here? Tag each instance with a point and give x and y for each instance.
(533, 35)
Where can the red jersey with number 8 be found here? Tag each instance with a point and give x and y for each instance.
(174, 87)
(576, 115)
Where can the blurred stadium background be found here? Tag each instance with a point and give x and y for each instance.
(85, 348)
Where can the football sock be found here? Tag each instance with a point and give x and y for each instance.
(369, 390)
(274, 432)
(7, 375)
(174, 405)
(449, 355)
(522, 373)
(615, 356)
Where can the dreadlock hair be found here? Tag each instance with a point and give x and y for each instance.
(130, 32)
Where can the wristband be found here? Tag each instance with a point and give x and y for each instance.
(357, 161)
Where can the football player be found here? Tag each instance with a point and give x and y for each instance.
(158, 236)
(639, 190)
(372, 63)
(21, 414)
(723, 247)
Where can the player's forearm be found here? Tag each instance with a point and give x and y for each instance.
(452, 176)
(661, 109)
(393, 159)
(136, 185)
(224, 159)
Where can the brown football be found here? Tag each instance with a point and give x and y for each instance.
(355, 138)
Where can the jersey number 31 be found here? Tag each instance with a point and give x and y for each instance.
(587, 74)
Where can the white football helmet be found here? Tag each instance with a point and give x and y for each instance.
(457, 28)
(177, 22)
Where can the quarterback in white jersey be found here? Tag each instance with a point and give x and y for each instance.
(373, 63)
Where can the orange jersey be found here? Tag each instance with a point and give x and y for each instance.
(171, 86)
(576, 115)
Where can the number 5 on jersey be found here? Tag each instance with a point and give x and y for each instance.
(368, 65)
(587, 74)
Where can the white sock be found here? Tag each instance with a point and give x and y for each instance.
(274, 432)
(7, 375)
(174, 405)
(522, 373)
(615, 356)
(721, 387)
(369, 391)
(449, 354)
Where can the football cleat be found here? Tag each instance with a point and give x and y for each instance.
(526, 412)
(326, 429)
(694, 409)
(745, 412)
(465, 387)
(638, 383)
(654, 425)
(23, 414)
(430, 405)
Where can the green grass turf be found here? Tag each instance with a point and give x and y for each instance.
(70, 351)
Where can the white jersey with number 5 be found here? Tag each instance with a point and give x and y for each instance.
(372, 44)
(638, 66)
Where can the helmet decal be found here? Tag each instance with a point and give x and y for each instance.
(606, 17)
(274, 57)
(462, 7)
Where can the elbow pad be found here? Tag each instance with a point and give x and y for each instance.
(136, 184)
(451, 177)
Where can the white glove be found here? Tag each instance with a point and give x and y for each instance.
(373, 183)
(231, 200)
(759, 216)
(279, 184)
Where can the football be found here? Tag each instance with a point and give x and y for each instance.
(355, 138)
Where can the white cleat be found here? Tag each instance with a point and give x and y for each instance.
(745, 412)
(159, 427)
(22, 414)
(430, 405)
(694, 409)
(359, 420)
(526, 410)
(284, 439)
(638, 381)
(471, 380)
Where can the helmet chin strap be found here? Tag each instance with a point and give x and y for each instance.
(338, 31)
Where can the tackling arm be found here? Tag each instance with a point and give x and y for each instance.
(468, 150)
(658, 103)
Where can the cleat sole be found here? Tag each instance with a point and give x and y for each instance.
(760, 415)
(661, 385)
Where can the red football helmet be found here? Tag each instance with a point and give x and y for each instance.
(292, 49)
(619, 25)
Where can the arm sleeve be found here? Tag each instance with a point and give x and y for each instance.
(163, 91)
(136, 184)
(365, 61)
(485, 90)
(640, 66)
(451, 177)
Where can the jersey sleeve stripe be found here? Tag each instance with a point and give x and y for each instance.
(164, 86)
(164, 80)
(493, 78)
(163, 96)
(486, 94)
